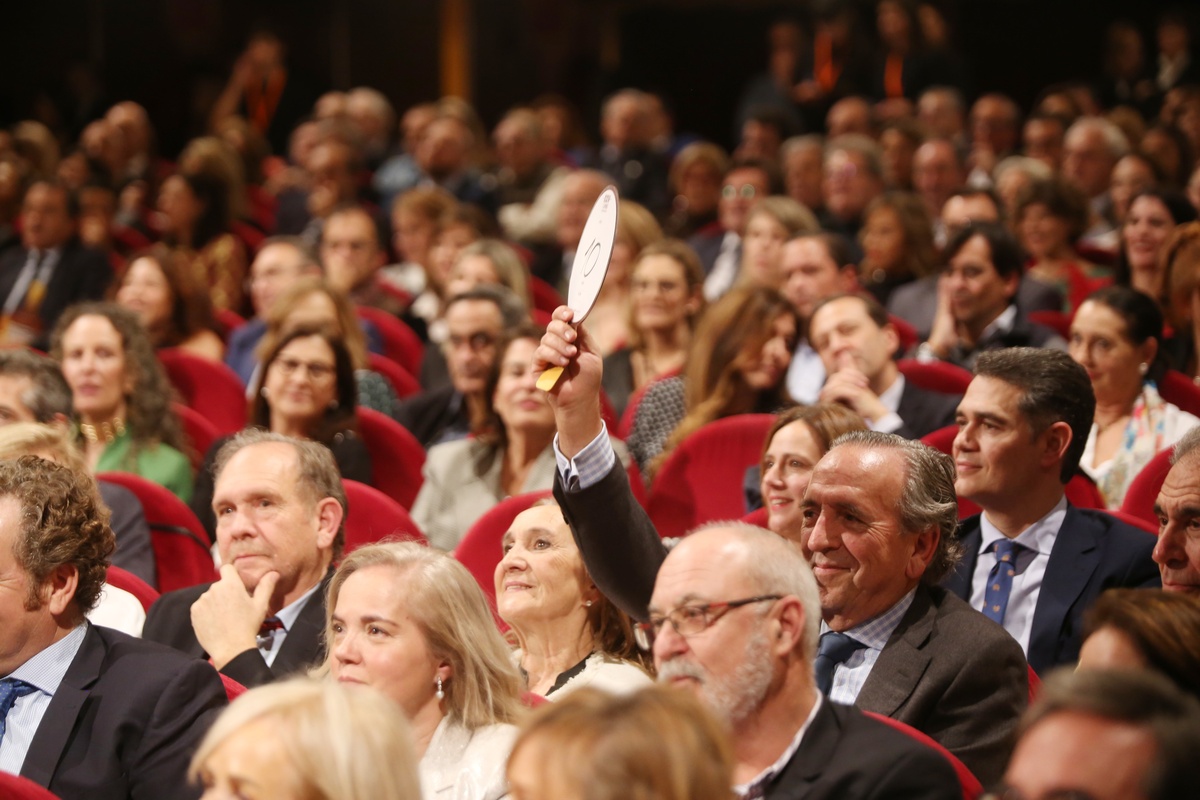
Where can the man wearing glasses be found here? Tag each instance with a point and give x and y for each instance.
(720, 246)
(894, 642)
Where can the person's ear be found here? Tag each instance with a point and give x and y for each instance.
(329, 520)
(925, 546)
(59, 590)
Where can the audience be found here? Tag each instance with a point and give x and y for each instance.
(569, 635)
(303, 739)
(175, 310)
(411, 623)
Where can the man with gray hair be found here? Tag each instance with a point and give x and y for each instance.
(626, 155)
(1034, 563)
(1091, 148)
(1107, 735)
(280, 508)
(853, 178)
(1177, 551)
(530, 185)
(880, 514)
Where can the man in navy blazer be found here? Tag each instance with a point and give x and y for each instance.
(86, 711)
(1022, 426)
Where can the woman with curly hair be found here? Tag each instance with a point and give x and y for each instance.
(897, 243)
(174, 309)
(121, 396)
(1051, 215)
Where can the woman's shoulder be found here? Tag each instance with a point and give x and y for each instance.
(608, 674)
(453, 451)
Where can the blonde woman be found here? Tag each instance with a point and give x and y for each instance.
(412, 623)
(308, 740)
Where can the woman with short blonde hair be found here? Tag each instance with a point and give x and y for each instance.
(312, 741)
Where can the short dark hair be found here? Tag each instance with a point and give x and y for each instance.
(875, 311)
(1006, 253)
(836, 245)
(62, 523)
(72, 199)
(511, 307)
(1142, 317)
(1054, 388)
(1063, 200)
(1142, 698)
(49, 395)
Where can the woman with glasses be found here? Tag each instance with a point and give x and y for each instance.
(309, 392)
(568, 634)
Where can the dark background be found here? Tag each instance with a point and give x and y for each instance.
(76, 57)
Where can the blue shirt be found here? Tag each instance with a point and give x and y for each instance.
(44, 671)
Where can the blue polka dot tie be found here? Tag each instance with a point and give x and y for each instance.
(10, 690)
(999, 584)
(835, 648)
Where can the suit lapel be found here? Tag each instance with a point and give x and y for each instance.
(1073, 559)
(903, 661)
(302, 647)
(58, 722)
(811, 758)
(959, 581)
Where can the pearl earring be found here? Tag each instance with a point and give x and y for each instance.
(439, 694)
(1143, 368)
(587, 603)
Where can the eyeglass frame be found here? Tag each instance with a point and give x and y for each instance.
(644, 633)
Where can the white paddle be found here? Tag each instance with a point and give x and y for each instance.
(589, 268)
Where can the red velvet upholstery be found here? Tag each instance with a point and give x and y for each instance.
(396, 456)
(1144, 488)
(937, 376)
(372, 516)
(14, 787)
(208, 387)
(545, 297)
(198, 429)
(1180, 390)
(123, 579)
(181, 545)
(233, 689)
(400, 343)
(402, 381)
(906, 332)
(702, 479)
(971, 786)
(1057, 321)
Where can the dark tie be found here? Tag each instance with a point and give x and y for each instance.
(999, 585)
(266, 633)
(10, 690)
(833, 650)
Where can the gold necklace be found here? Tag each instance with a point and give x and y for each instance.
(106, 432)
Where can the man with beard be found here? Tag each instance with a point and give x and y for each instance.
(755, 671)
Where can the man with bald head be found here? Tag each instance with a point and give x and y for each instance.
(879, 520)
(1178, 508)
(938, 171)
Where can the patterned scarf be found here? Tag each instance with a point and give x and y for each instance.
(1142, 439)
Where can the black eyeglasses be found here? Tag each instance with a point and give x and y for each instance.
(691, 620)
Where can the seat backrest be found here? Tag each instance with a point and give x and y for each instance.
(1081, 492)
(372, 516)
(479, 549)
(1179, 389)
(756, 517)
(396, 456)
(400, 343)
(545, 297)
(123, 579)
(1057, 321)
(702, 478)
(210, 388)
(402, 381)
(1144, 488)
(14, 787)
(199, 431)
(1130, 519)
(936, 376)
(182, 556)
(971, 787)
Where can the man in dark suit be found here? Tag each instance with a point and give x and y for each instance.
(280, 508)
(881, 513)
(719, 246)
(857, 344)
(84, 711)
(51, 270)
(1023, 424)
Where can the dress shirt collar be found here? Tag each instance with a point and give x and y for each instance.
(767, 775)
(890, 397)
(46, 669)
(1038, 537)
(875, 632)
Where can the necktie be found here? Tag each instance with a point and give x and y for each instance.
(834, 649)
(999, 585)
(10, 690)
(266, 632)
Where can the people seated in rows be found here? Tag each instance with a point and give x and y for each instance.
(887, 594)
(853, 178)
(552, 263)
(1181, 280)
(508, 453)
(695, 181)
(897, 244)
(1033, 562)
(280, 509)
(636, 230)
(1153, 216)
(1142, 629)
(175, 310)
(412, 624)
(769, 224)
(530, 184)
(666, 299)
(121, 396)
(195, 216)
(1116, 337)
(1050, 218)
(90, 712)
(304, 738)
(569, 635)
(308, 392)
(975, 309)
(352, 253)
(719, 246)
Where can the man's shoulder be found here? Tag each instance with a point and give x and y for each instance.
(962, 626)
(141, 664)
(1121, 540)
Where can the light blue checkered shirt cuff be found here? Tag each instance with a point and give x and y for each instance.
(590, 465)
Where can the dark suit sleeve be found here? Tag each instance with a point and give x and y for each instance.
(249, 669)
(621, 549)
(169, 621)
(182, 714)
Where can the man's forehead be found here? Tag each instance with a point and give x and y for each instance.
(472, 315)
(268, 461)
(1182, 484)
(703, 567)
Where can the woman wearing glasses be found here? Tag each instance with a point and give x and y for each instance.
(309, 392)
(568, 634)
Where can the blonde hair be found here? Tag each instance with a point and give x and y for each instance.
(349, 328)
(452, 613)
(32, 438)
(341, 742)
(655, 744)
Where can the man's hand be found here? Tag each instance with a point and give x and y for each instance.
(226, 618)
(576, 397)
(850, 387)
(944, 334)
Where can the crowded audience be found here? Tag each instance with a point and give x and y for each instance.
(963, 325)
